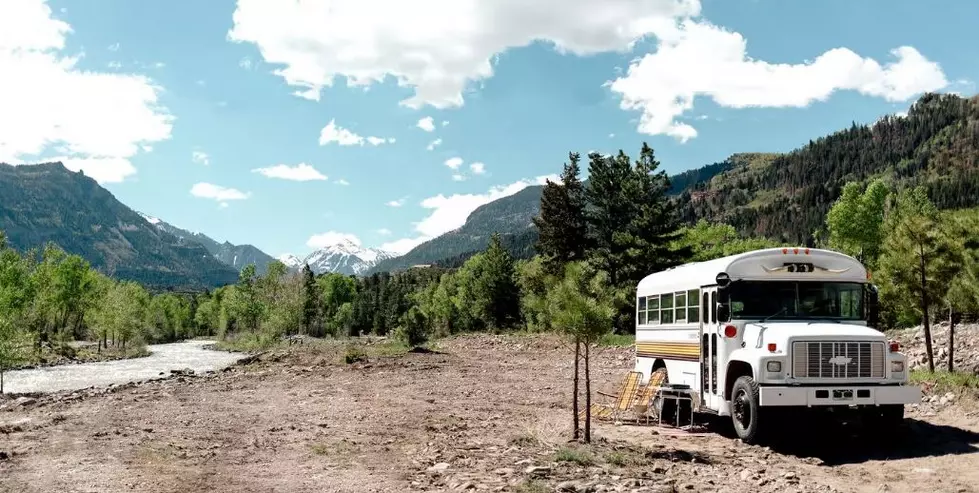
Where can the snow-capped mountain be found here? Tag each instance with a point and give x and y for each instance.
(343, 258)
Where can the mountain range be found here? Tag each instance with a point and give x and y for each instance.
(345, 257)
(783, 196)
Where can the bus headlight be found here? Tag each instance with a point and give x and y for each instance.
(897, 366)
(774, 366)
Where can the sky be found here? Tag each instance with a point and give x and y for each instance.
(294, 124)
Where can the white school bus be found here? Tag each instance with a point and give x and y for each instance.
(779, 328)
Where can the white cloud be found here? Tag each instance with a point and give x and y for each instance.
(91, 121)
(454, 162)
(433, 144)
(333, 133)
(427, 124)
(343, 182)
(331, 238)
(245, 63)
(436, 47)
(445, 122)
(376, 141)
(384, 232)
(396, 203)
(458, 177)
(299, 172)
(701, 59)
(448, 213)
(114, 65)
(217, 193)
(114, 47)
(200, 157)
(477, 168)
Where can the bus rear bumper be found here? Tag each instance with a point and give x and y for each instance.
(839, 395)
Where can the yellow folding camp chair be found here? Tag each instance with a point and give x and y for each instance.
(621, 401)
(645, 398)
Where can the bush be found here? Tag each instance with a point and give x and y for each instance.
(354, 354)
(414, 328)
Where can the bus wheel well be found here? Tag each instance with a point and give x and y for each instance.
(658, 364)
(735, 370)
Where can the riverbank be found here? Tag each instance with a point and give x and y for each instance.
(79, 352)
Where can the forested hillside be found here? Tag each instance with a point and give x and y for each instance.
(787, 196)
(48, 203)
(510, 216)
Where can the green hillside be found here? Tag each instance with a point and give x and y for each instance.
(787, 196)
(48, 203)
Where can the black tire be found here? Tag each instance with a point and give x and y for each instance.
(746, 412)
(668, 405)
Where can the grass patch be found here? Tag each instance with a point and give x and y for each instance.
(575, 456)
(531, 486)
(617, 340)
(944, 381)
(525, 440)
(335, 450)
(354, 354)
(617, 459)
(248, 342)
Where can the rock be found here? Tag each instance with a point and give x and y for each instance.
(746, 474)
(538, 470)
(4, 455)
(504, 471)
(25, 401)
(439, 468)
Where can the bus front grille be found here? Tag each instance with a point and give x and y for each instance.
(838, 360)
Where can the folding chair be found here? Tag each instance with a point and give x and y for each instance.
(645, 398)
(622, 400)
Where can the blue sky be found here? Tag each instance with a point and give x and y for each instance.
(211, 115)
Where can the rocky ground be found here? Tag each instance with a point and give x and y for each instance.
(484, 413)
(965, 356)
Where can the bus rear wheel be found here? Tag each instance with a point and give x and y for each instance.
(745, 410)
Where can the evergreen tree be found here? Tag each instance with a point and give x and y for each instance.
(497, 286)
(309, 299)
(608, 211)
(562, 230)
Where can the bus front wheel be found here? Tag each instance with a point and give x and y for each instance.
(745, 410)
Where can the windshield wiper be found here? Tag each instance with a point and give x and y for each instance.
(781, 310)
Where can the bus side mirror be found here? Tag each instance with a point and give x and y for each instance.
(723, 312)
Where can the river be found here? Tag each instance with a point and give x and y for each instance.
(162, 359)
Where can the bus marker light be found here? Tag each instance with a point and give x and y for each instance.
(730, 331)
(772, 347)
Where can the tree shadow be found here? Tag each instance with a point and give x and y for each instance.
(839, 442)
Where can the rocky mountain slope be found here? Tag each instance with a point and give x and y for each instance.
(48, 203)
(343, 258)
(236, 256)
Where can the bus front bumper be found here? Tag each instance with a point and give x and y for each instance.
(839, 395)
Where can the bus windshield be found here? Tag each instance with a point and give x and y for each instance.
(796, 300)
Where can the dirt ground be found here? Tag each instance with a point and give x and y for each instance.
(485, 413)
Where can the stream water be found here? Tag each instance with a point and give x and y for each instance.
(162, 359)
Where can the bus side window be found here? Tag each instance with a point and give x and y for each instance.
(706, 309)
(713, 307)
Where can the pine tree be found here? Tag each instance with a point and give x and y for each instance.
(309, 299)
(561, 226)
(497, 286)
(609, 210)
